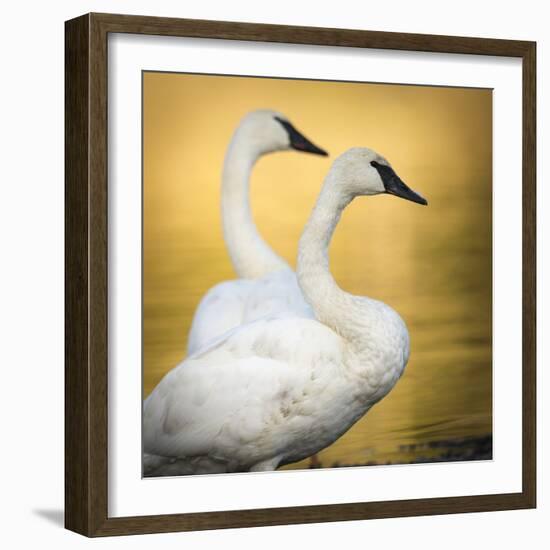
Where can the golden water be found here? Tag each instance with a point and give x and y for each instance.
(432, 264)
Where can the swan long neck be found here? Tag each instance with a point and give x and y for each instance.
(250, 255)
(314, 276)
(333, 307)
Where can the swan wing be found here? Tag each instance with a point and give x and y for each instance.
(221, 309)
(206, 409)
(231, 402)
(234, 303)
(277, 294)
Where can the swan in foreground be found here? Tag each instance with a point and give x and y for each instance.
(277, 390)
(232, 303)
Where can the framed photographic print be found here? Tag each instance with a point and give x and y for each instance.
(222, 368)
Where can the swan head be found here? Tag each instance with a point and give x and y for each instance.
(362, 171)
(267, 131)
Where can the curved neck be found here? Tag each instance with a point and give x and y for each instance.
(333, 307)
(250, 255)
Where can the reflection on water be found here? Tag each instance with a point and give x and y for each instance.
(432, 264)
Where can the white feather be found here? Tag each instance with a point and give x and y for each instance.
(233, 303)
(278, 389)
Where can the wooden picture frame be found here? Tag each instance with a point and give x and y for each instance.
(86, 283)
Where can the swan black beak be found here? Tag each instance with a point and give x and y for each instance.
(394, 185)
(298, 141)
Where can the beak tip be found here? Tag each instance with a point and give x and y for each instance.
(309, 148)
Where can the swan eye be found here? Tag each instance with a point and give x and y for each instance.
(374, 164)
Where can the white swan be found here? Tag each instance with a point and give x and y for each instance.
(278, 390)
(232, 303)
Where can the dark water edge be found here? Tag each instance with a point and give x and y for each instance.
(441, 450)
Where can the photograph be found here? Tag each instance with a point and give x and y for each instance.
(317, 274)
(300, 274)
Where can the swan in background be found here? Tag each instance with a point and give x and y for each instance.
(277, 390)
(232, 303)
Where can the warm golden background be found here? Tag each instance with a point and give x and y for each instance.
(432, 264)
